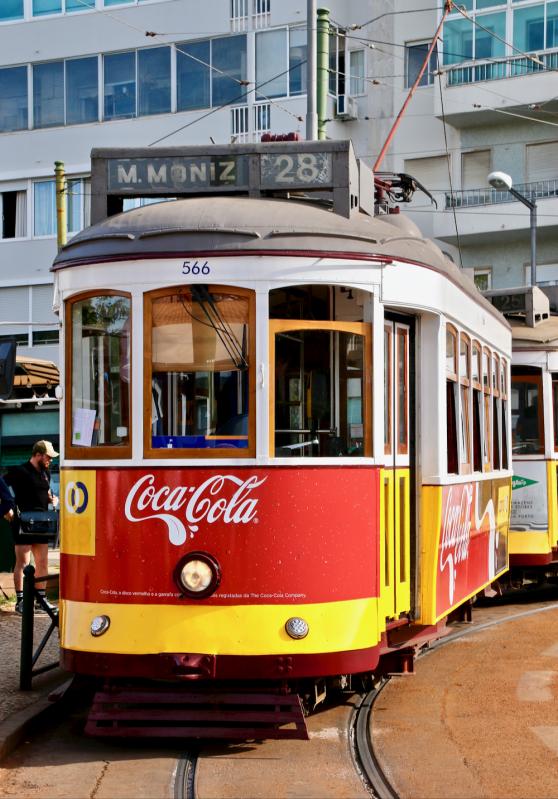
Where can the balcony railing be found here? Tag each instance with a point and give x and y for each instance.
(471, 197)
(498, 69)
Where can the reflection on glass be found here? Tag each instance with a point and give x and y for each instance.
(13, 98)
(319, 394)
(192, 75)
(120, 85)
(100, 371)
(48, 94)
(200, 377)
(82, 93)
(527, 427)
(229, 63)
(154, 94)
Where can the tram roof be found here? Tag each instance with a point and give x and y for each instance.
(525, 337)
(234, 225)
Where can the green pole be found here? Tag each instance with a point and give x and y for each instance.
(323, 69)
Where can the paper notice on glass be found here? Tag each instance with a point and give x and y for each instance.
(82, 427)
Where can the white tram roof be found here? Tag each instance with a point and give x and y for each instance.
(544, 334)
(231, 225)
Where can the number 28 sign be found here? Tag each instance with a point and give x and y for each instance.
(306, 169)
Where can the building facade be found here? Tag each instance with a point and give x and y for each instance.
(77, 74)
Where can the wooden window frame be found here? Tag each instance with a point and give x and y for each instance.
(208, 453)
(105, 451)
(487, 410)
(453, 332)
(506, 449)
(465, 465)
(452, 377)
(402, 333)
(357, 328)
(388, 336)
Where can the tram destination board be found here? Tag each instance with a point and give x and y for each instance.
(191, 174)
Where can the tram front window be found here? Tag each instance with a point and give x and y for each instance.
(100, 359)
(319, 393)
(200, 369)
(527, 421)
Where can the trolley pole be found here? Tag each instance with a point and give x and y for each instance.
(61, 214)
(322, 46)
(311, 75)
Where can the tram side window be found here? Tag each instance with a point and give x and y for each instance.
(555, 407)
(526, 408)
(322, 373)
(504, 406)
(100, 372)
(477, 408)
(464, 388)
(496, 413)
(198, 351)
(451, 401)
(487, 447)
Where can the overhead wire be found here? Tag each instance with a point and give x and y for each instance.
(448, 162)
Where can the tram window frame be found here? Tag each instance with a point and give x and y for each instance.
(505, 463)
(496, 413)
(363, 329)
(554, 377)
(465, 466)
(452, 404)
(531, 375)
(477, 416)
(208, 453)
(402, 339)
(486, 374)
(388, 381)
(103, 451)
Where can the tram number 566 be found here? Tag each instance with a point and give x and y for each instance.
(195, 268)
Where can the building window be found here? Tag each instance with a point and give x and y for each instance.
(228, 57)
(48, 94)
(78, 201)
(475, 166)
(11, 9)
(41, 7)
(336, 61)
(120, 85)
(297, 60)
(356, 72)
(82, 93)
(154, 93)
(13, 99)
(483, 279)
(414, 59)
(271, 61)
(13, 212)
(193, 75)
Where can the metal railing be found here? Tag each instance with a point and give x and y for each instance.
(474, 197)
(499, 69)
(28, 658)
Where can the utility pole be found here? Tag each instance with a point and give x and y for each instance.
(61, 214)
(323, 68)
(311, 75)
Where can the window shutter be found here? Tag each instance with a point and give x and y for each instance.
(542, 161)
(474, 169)
(14, 307)
(431, 172)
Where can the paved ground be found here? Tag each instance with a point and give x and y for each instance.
(479, 719)
(11, 698)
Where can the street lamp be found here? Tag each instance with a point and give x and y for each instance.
(503, 182)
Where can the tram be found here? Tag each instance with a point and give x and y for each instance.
(533, 542)
(286, 447)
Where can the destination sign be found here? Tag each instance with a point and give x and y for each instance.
(296, 169)
(509, 303)
(177, 174)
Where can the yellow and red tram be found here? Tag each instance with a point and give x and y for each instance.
(286, 440)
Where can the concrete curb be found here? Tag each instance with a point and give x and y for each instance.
(20, 724)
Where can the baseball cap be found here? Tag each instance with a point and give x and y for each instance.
(45, 448)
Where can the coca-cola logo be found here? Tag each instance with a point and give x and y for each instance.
(222, 497)
(456, 534)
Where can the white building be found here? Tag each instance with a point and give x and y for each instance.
(75, 74)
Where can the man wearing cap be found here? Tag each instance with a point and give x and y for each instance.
(30, 483)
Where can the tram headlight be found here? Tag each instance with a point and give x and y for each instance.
(198, 575)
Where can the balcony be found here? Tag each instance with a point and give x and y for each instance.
(517, 84)
(476, 197)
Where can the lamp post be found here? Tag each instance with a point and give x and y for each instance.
(503, 182)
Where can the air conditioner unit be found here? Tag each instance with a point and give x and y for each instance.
(347, 107)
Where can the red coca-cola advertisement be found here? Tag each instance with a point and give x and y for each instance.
(473, 539)
(281, 535)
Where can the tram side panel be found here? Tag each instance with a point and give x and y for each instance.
(289, 542)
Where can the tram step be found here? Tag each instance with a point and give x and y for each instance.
(171, 713)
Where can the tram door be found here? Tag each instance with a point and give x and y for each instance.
(395, 494)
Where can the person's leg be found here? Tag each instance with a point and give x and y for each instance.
(23, 557)
(40, 553)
